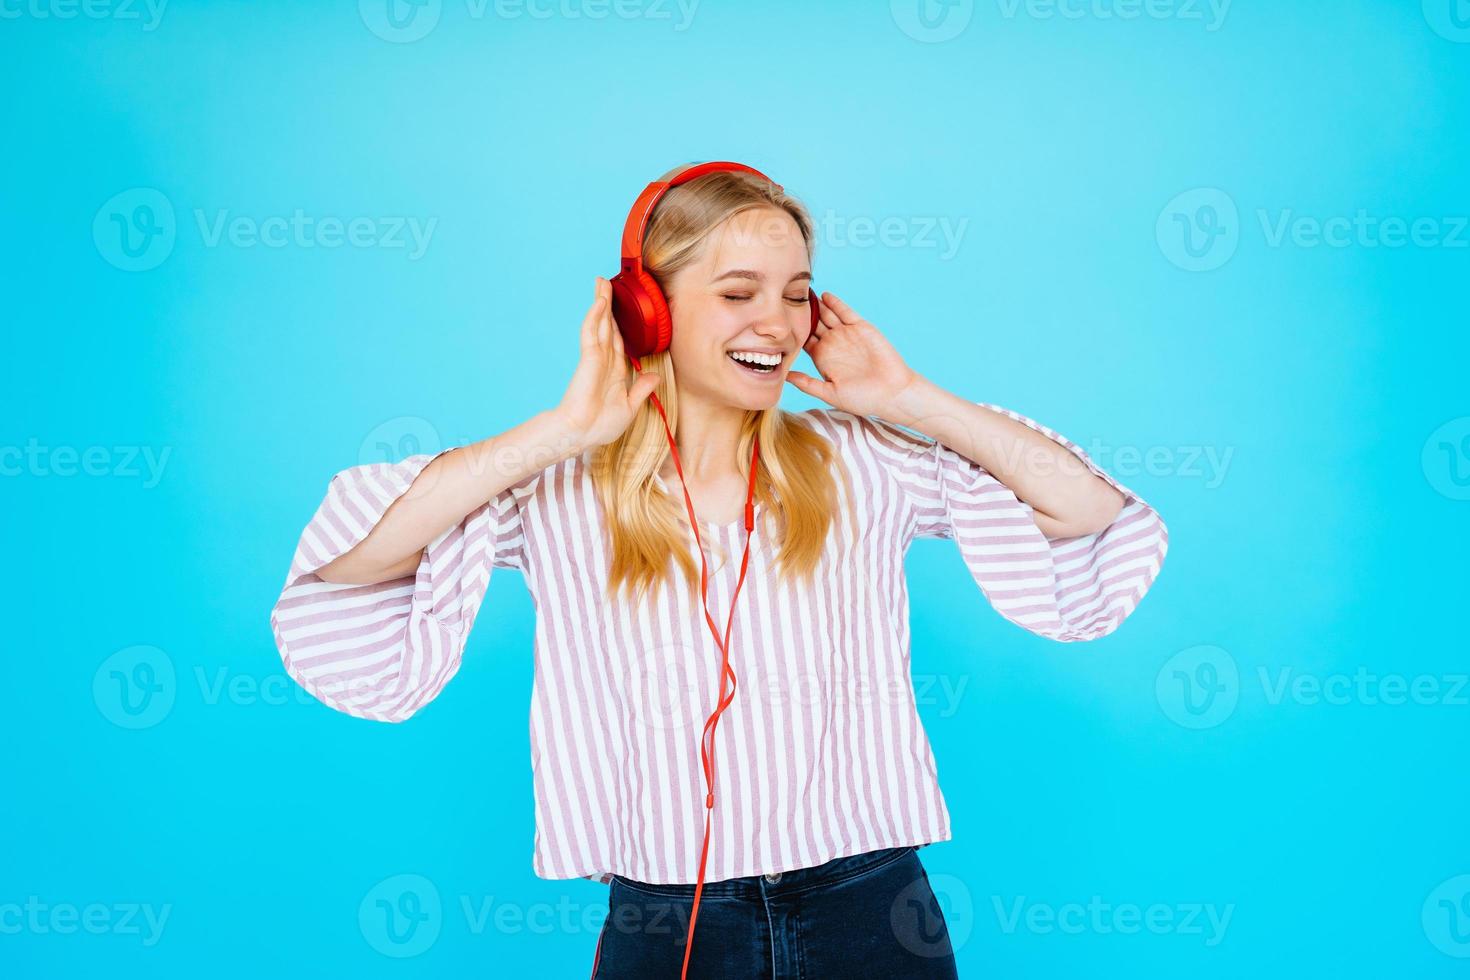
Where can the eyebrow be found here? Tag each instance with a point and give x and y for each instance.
(752, 274)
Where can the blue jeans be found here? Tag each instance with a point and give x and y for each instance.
(865, 915)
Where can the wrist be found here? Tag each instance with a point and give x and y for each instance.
(914, 402)
(559, 432)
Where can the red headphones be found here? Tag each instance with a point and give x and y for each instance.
(638, 305)
(643, 319)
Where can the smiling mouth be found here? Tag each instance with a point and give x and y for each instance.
(757, 369)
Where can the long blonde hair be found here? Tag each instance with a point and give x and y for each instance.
(794, 483)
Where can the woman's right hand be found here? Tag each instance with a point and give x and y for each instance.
(599, 404)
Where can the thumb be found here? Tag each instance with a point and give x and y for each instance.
(643, 386)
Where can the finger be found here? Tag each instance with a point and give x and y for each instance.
(643, 386)
(604, 325)
(846, 313)
(589, 322)
(617, 337)
(827, 317)
(809, 385)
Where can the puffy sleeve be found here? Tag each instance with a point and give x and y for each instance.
(1066, 589)
(384, 651)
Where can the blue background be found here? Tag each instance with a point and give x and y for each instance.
(1327, 539)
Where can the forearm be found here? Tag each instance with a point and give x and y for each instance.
(445, 491)
(1067, 497)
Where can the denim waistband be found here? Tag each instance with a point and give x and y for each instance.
(757, 886)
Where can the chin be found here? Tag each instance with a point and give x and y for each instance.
(756, 401)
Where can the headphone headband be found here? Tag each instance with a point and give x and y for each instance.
(643, 207)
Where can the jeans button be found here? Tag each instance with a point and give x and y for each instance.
(771, 879)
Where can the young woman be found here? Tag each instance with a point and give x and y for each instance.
(826, 783)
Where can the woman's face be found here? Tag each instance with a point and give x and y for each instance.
(747, 292)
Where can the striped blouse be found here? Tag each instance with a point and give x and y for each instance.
(822, 753)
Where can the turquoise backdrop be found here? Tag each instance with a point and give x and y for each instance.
(1223, 246)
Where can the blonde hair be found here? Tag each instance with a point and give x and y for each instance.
(794, 483)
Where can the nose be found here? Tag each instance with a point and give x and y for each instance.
(774, 322)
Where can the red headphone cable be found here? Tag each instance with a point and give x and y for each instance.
(711, 725)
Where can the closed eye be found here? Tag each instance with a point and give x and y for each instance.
(742, 297)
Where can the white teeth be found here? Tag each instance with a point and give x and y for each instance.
(767, 360)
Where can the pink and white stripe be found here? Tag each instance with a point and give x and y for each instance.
(822, 753)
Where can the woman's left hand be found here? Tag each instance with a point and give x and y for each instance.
(864, 373)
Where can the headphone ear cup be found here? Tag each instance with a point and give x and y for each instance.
(641, 313)
(816, 308)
